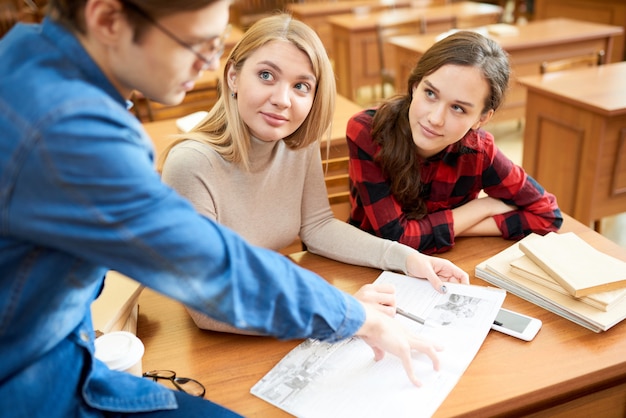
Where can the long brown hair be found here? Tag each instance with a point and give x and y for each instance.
(390, 127)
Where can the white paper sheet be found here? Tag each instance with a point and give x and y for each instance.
(318, 379)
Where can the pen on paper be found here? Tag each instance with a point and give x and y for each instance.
(498, 323)
(410, 316)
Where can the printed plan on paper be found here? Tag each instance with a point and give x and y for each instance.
(318, 379)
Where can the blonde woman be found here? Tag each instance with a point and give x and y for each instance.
(254, 163)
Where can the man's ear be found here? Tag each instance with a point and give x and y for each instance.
(104, 20)
(484, 118)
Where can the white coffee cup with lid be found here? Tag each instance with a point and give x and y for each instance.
(120, 350)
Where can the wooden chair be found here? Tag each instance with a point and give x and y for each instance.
(338, 186)
(384, 31)
(588, 60)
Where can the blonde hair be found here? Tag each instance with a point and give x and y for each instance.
(224, 130)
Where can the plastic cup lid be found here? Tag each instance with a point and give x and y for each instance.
(119, 350)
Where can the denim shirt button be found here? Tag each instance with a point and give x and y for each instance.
(84, 336)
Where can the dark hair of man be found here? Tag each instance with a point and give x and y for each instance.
(70, 13)
(390, 128)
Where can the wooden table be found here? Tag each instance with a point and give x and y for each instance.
(538, 41)
(575, 138)
(355, 48)
(611, 12)
(315, 14)
(566, 369)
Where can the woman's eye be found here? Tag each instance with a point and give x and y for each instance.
(458, 109)
(265, 75)
(303, 87)
(429, 93)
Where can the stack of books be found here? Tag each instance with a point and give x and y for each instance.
(563, 274)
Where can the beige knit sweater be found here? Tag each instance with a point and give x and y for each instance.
(283, 196)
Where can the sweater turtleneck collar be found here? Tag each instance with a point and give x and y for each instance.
(262, 152)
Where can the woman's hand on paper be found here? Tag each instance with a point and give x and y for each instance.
(436, 270)
(381, 296)
(384, 335)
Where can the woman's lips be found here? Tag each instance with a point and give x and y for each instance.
(429, 132)
(274, 120)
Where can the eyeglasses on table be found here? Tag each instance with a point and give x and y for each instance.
(183, 384)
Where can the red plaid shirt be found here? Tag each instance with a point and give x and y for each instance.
(451, 178)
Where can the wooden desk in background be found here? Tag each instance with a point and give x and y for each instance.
(575, 138)
(565, 371)
(355, 47)
(315, 14)
(538, 41)
(610, 12)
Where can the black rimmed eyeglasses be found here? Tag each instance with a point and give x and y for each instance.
(206, 51)
(184, 384)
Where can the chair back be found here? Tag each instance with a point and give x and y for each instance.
(587, 60)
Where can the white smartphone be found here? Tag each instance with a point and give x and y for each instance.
(517, 325)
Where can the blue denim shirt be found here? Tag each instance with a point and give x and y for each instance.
(79, 195)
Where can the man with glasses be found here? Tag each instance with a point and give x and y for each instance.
(79, 195)
(206, 50)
